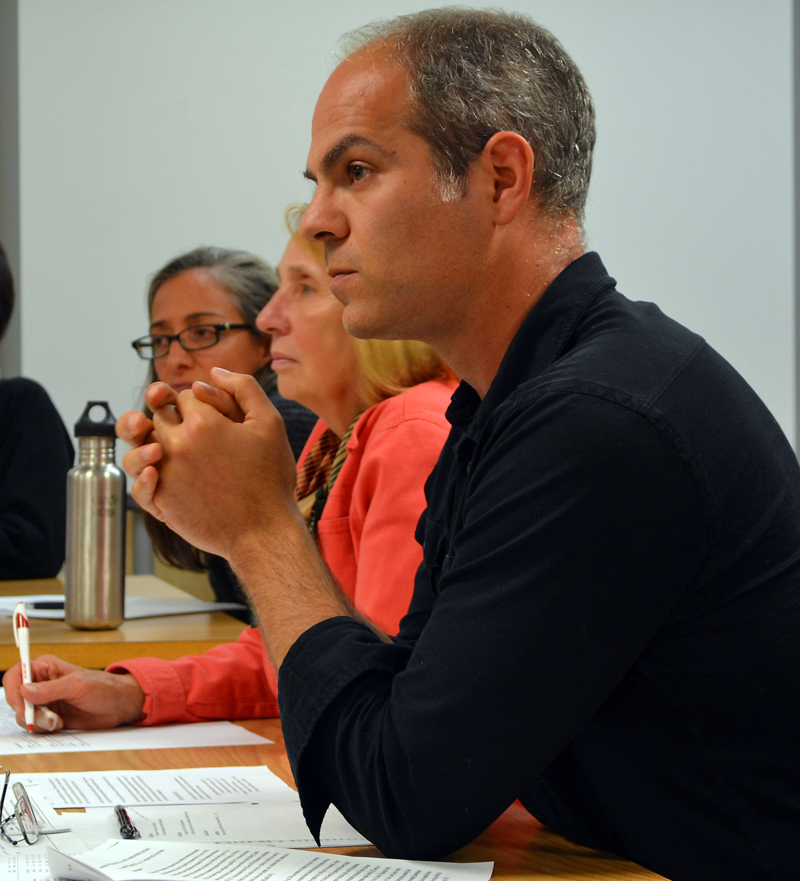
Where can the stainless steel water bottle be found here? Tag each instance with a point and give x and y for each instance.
(94, 573)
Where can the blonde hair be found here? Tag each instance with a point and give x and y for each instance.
(385, 367)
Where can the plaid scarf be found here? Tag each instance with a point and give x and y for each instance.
(319, 472)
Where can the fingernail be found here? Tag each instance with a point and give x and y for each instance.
(50, 722)
(221, 370)
(32, 689)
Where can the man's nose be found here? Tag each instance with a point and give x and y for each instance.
(323, 220)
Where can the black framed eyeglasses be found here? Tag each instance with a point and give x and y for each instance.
(198, 336)
(22, 821)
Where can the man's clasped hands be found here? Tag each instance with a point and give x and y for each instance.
(221, 502)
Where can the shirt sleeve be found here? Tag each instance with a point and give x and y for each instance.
(575, 533)
(35, 456)
(230, 681)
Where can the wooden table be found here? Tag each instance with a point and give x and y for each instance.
(520, 848)
(170, 636)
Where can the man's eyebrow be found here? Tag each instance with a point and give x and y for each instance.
(333, 155)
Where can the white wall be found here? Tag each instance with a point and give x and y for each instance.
(10, 355)
(150, 126)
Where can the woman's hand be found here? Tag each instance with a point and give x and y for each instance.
(66, 696)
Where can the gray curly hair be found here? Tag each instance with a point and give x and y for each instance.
(476, 72)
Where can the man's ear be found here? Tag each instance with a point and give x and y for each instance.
(508, 159)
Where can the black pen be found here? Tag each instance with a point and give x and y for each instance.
(126, 828)
(48, 604)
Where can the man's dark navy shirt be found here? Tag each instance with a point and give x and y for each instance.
(606, 623)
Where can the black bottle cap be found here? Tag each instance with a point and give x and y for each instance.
(88, 427)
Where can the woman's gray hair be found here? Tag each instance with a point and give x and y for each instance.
(248, 279)
(473, 73)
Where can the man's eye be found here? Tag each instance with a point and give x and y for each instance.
(159, 341)
(357, 172)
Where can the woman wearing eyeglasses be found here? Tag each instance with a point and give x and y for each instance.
(360, 487)
(203, 307)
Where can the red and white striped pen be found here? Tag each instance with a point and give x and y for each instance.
(22, 637)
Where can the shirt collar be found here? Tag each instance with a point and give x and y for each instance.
(538, 342)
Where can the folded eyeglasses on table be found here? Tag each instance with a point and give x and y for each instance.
(23, 819)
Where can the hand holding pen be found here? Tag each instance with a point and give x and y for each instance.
(23, 640)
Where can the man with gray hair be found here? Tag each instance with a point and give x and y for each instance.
(605, 623)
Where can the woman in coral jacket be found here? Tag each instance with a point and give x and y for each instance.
(360, 486)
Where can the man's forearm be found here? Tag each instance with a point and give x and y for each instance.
(289, 584)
